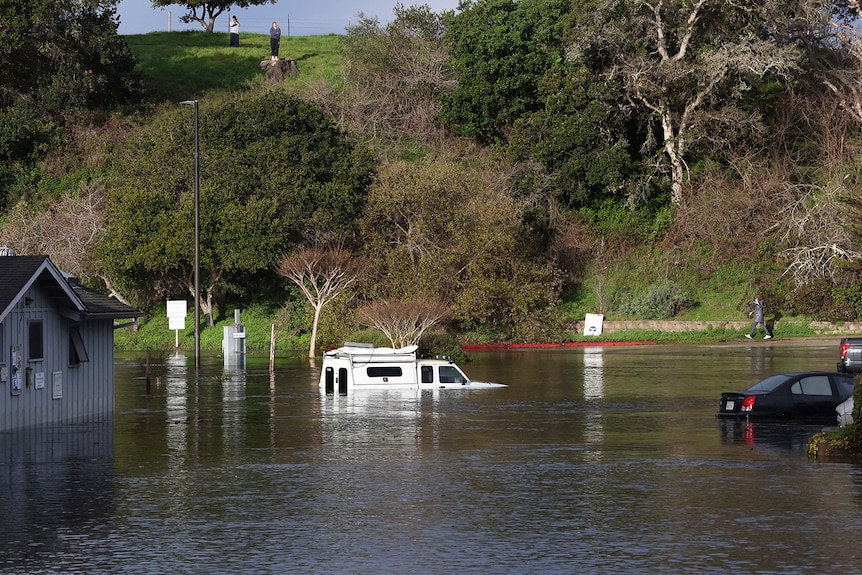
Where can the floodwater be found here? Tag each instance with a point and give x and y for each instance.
(595, 460)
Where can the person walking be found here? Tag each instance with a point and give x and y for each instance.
(234, 32)
(274, 40)
(757, 311)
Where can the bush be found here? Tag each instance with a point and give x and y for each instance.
(661, 301)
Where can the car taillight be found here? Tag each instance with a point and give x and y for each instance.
(844, 347)
(747, 404)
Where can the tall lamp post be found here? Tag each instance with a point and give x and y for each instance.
(197, 235)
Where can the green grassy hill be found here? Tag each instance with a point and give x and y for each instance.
(186, 65)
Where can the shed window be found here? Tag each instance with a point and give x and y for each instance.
(36, 347)
(77, 351)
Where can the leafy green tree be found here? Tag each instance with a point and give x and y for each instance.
(580, 137)
(439, 231)
(499, 51)
(59, 60)
(274, 173)
(205, 12)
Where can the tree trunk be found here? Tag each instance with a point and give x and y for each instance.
(674, 147)
(312, 345)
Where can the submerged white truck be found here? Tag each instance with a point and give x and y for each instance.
(357, 366)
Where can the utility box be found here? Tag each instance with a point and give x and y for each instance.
(233, 343)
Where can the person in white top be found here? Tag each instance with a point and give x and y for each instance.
(234, 32)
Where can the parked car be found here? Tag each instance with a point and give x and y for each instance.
(851, 355)
(845, 412)
(809, 394)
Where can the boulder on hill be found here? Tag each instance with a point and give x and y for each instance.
(278, 70)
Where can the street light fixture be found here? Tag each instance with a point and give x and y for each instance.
(197, 235)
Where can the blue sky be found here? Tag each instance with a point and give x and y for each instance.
(297, 18)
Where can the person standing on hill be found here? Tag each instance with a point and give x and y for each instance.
(757, 311)
(274, 40)
(234, 32)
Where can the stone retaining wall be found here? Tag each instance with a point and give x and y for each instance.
(848, 328)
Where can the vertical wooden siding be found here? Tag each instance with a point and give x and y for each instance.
(87, 389)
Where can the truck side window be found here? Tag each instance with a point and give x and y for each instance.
(449, 374)
(427, 374)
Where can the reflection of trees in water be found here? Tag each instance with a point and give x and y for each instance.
(57, 480)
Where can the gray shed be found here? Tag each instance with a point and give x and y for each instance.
(56, 345)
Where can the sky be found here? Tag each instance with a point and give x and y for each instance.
(296, 18)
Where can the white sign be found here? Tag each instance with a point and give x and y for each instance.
(177, 310)
(593, 324)
(57, 385)
(40, 380)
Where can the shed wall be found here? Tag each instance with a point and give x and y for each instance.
(86, 390)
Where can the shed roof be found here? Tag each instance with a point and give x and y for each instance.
(19, 273)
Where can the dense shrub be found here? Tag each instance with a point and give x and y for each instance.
(661, 301)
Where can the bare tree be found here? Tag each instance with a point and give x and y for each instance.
(818, 245)
(394, 75)
(680, 59)
(67, 232)
(835, 42)
(404, 322)
(322, 274)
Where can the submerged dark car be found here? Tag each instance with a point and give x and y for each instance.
(809, 394)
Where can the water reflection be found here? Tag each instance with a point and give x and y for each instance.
(56, 493)
(594, 389)
(778, 436)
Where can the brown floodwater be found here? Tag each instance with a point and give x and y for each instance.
(594, 460)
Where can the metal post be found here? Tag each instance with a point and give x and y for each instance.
(197, 270)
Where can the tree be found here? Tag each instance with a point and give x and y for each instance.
(580, 137)
(440, 231)
(274, 173)
(395, 74)
(834, 44)
(60, 60)
(322, 275)
(404, 322)
(684, 61)
(499, 51)
(67, 231)
(205, 12)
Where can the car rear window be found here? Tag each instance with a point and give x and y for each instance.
(768, 384)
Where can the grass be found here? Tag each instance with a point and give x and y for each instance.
(185, 65)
